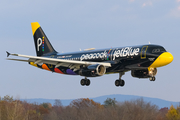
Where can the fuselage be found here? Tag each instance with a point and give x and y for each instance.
(121, 58)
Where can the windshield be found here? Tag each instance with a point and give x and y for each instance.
(156, 49)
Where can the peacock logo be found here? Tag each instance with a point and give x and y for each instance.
(40, 42)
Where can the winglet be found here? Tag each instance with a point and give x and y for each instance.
(8, 53)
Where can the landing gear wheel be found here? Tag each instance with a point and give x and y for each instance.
(83, 82)
(122, 83)
(117, 83)
(88, 82)
(152, 78)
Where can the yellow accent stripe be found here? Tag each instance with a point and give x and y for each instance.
(32, 63)
(35, 26)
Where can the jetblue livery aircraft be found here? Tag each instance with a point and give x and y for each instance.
(142, 60)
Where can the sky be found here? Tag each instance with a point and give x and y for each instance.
(73, 25)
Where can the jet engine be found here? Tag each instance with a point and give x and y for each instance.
(144, 73)
(93, 70)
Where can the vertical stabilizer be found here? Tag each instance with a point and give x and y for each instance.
(42, 44)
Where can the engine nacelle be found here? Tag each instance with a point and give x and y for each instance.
(93, 70)
(144, 73)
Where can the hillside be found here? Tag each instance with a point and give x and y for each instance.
(120, 98)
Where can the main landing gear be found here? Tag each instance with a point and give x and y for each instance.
(120, 82)
(85, 81)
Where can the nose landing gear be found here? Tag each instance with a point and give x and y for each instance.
(152, 78)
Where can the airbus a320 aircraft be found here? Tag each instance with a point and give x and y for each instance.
(142, 60)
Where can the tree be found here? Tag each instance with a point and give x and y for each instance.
(7, 98)
(162, 113)
(57, 103)
(47, 105)
(173, 114)
(57, 107)
(110, 102)
(85, 102)
(137, 110)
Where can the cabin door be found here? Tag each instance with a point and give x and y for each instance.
(143, 52)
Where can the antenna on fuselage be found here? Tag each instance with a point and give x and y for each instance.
(149, 42)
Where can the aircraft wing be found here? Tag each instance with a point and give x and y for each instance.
(57, 62)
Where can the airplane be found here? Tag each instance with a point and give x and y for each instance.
(142, 60)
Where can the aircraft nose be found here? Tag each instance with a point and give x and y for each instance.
(164, 59)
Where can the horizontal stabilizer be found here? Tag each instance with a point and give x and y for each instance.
(18, 60)
(8, 53)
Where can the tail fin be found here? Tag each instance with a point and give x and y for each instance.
(42, 44)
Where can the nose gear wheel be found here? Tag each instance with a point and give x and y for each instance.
(152, 78)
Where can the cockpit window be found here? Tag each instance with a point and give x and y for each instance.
(158, 50)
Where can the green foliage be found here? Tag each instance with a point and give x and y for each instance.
(110, 102)
(45, 105)
(8, 98)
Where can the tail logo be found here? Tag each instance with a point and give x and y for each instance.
(39, 43)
